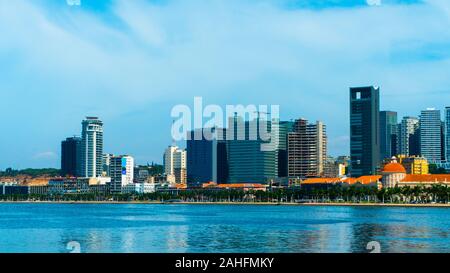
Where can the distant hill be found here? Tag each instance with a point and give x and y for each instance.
(33, 173)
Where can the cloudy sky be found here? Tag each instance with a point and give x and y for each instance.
(130, 61)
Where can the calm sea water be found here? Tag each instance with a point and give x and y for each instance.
(26, 228)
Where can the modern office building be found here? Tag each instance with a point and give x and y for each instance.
(388, 134)
(106, 164)
(307, 149)
(121, 171)
(70, 157)
(92, 147)
(447, 134)
(253, 158)
(364, 130)
(409, 137)
(207, 158)
(286, 127)
(430, 135)
(175, 164)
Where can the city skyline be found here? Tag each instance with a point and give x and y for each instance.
(268, 57)
(442, 114)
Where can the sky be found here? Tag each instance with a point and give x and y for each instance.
(130, 62)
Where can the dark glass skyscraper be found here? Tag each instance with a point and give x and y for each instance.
(388, 132)
(207, 159)
(70, 156)
(286, 127)
(364, 130)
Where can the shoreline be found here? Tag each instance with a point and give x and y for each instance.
(230, 204)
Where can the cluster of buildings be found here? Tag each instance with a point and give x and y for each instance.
(235, 155)
(85, 168)
(301, 157)
(393, 152)
(295, 154)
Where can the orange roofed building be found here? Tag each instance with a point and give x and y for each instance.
(395, 175)
(236, 186)
(370, 181)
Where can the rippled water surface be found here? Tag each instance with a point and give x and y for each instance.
(210, 228)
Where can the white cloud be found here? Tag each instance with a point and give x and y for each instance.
(58, 67)
(45, 156)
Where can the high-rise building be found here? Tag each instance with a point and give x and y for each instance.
(388, 132)
(364, 130)
(207, 158)
(447, 134)
(106, 164)
(430, 135)
(408, 136)
(122, 172)
(70, 157)
(92, 147)
(251, 157)
(443, 145)
(175, 164)
(307, 149)
(286, 127)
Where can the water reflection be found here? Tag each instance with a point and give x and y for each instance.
(178, 228)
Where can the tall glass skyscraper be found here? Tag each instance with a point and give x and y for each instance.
(408, 137)
(364, 130)
(207, 158)
(430, 135)
(388, 130)
(286, 127)
(70, 156)
(92, 147)
(248, 161)
(447, 134)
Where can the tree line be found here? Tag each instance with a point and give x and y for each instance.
(334, 194)
(9, 172)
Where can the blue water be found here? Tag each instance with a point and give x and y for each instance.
(48, 228)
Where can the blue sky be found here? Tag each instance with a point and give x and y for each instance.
(130, 62)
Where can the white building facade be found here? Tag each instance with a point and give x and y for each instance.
(92, 147)
(175, 164)
(121, 171)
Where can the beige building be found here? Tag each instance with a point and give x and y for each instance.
(307, 149)
(175, 165)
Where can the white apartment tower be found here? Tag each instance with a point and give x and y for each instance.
(92, 147)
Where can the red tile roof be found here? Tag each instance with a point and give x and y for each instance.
(427, 178)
